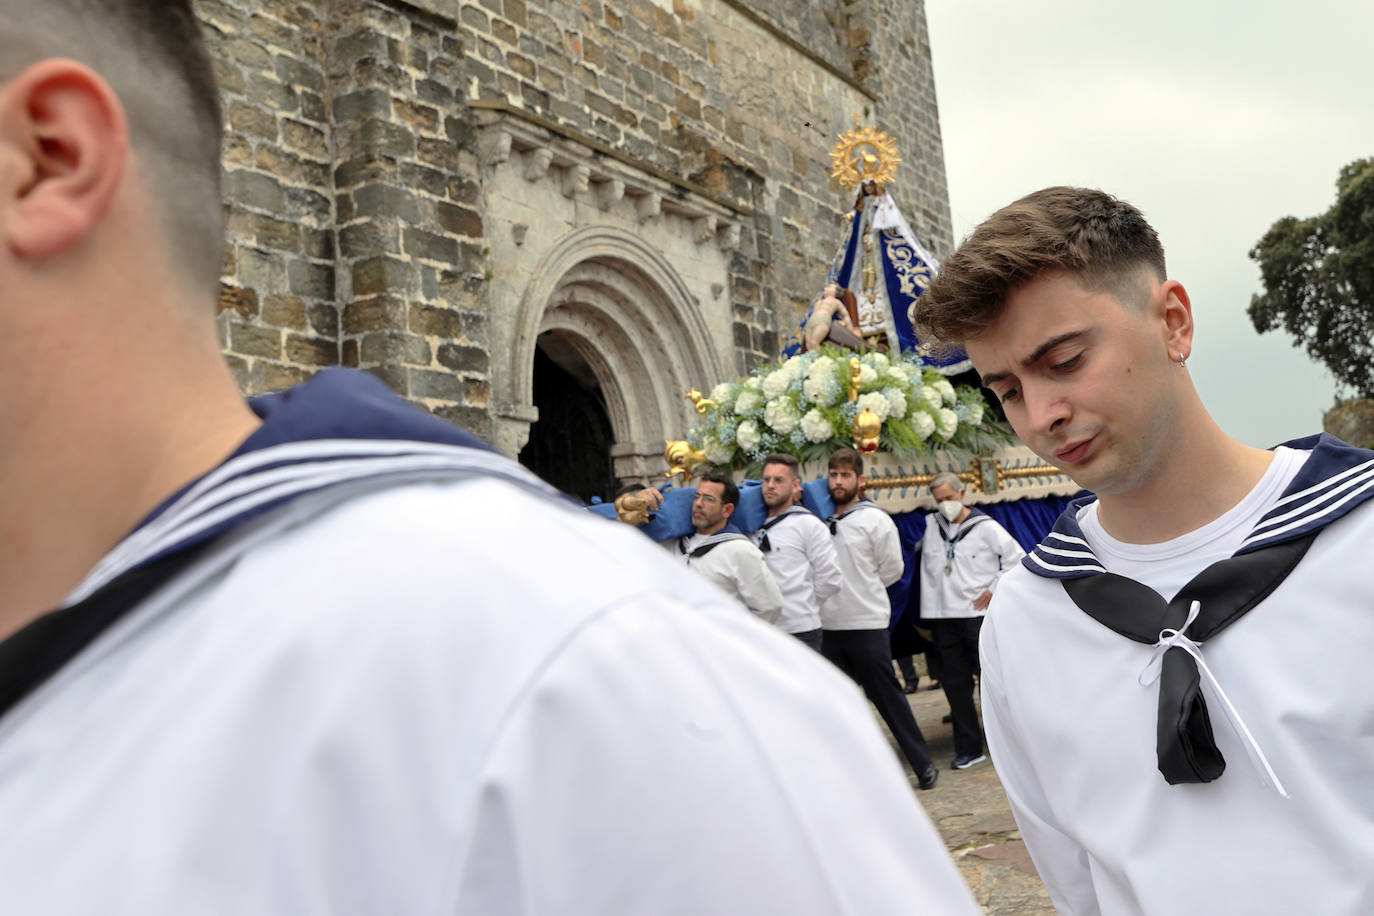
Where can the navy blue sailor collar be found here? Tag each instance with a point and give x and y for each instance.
(340, 427)
(1335, 479)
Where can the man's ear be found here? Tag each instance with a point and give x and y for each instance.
(1178, 320)
(65, 138)
(727, 510)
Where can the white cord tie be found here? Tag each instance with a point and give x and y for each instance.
(1168, 639)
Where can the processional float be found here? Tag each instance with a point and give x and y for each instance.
(858, 375)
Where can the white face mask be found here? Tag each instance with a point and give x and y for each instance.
(950, 509)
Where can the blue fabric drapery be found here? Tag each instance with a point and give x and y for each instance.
(1027, 520)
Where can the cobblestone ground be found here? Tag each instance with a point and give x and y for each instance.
(971, 812)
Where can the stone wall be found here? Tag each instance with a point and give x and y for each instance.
(361, 217)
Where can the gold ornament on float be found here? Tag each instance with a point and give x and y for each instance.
(866, 428)
(864, 154)
(702, 404)
(681, 459)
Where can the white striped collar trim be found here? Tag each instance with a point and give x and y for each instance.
(1063, 553)
(250, 484)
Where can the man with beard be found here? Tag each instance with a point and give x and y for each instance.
(720, 551)
(855, 620)
(798, 550)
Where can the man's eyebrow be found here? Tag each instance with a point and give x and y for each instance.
(1035, 356)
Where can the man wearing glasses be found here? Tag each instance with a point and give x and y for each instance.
(720, 551)
(797, 548)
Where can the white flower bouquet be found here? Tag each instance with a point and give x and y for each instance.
(801, 407)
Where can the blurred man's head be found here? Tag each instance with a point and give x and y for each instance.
(60, 63)
(781, 481)
(714, 503)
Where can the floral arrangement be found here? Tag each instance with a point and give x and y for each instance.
(801, 406)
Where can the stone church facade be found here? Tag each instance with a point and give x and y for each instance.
(545, 220)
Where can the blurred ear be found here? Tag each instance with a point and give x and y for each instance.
(1178, 320)
(64, 141)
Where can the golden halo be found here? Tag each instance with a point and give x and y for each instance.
(864, 154)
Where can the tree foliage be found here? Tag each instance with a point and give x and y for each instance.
(1318, 276)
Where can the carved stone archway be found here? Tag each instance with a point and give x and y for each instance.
(633, 322)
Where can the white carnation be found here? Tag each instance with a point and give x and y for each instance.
(781, 415)
(775, 383)
(928, 394)
(820, 389)
(715, 452)
(747, 435)
(822, 366)
(748, 403)
(899, 374)
(946, 391)
(947, 422)
(896, 403)
(874, 401)
(753, 382)
(975, 413)
(879, 361)
(721, 393)
(867, 375)
(922, 424)
(816, 427)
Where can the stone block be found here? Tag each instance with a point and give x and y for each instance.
(279, 378)
(395, 348)
(473, 419)
(284, 312)
(253, 121)
(385, 200)
(378, 313)
(243, 302)
(312, 351)
(310, 280)
(436, 322)
(421, 244)
(459, 358)
(459, 220)
(255, 190)
(440, 386)
(251, 340)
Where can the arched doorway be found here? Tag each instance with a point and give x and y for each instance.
(570, 443)
(609, 310)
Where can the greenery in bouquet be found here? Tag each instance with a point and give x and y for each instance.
(801, 406)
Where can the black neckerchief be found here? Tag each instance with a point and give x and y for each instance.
(1335, 479)
(340, 429)
(972, 521)
(834, 520)
(709, 543)
(764, 544)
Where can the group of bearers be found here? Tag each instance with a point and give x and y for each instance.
(825, 583)
(324, 653)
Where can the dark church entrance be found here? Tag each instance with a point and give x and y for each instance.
(570, 443)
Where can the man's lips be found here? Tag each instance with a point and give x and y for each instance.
(1072, 454)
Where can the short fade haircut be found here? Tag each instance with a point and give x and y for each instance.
(1102, 241)
(729, 492)
(152, 54)
(947, 479)
(847, 458)
(792, 463)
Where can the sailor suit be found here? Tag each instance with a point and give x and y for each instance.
(367, 666)
(1208, 753)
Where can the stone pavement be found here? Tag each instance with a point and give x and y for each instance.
(971, 813)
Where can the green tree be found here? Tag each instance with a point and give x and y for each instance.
(1318, 276)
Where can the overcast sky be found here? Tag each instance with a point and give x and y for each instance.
(1215, 119)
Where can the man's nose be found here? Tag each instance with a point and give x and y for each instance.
(1047, 411)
